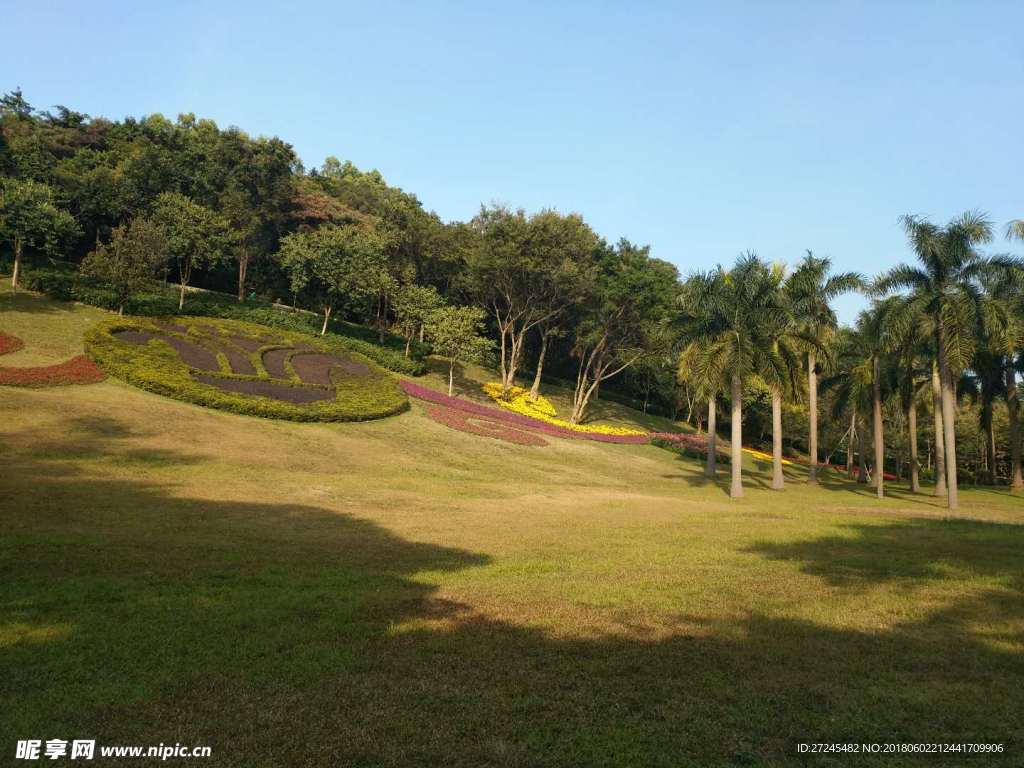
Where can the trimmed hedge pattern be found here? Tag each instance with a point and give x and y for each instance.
(156, 367)
(68, 285)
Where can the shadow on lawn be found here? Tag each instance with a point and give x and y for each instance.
(288, 634)
(29, 303)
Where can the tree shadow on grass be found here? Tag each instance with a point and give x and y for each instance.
(28, 303)
(288, 634)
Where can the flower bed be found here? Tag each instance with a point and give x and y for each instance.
(541, 409)
(227, 364)
(9, 343)
(77, 370)
(484, 426)
(433, 396)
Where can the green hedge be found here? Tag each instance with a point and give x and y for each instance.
(156, 367)
(67, 285)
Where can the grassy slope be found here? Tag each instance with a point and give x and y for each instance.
(397, 593)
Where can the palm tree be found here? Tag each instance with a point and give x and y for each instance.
(691, 372)
(733, 312)
(1008, 289)
(811, 291)
(944, 286)
(863, 377)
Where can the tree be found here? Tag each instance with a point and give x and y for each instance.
(414, 304)
(457, 333)
(811, 290)
(944, 286)
(129, 261)
(623, 319)
(195, 236)
(707, 388)
(733, 310)
(1008, 289)
(29, 217)
(527, 271)
(337, 265)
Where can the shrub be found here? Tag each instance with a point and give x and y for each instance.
(77, 370)
(156, 367)
(482, 426)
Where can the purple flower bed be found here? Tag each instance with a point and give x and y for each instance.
(497, 414)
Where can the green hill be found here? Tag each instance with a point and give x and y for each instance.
(399, 593)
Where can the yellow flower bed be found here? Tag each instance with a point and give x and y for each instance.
(764, 456)
(541, 409)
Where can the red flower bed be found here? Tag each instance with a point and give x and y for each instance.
(77, 370)
(518, 420)
(482, 425)
(9, 343)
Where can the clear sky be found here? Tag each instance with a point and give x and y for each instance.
(701, 129)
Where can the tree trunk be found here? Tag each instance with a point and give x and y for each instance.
(736, 490)
(408, 344)
(710, 463)
(990, 445)
(181, 296)
(243, 268)
(876, 390)
(948, 424)
(327, 319)
(535, 389)
(940, 450)
(1013, 413)
(17, 264)
(862, 468)
(778, 481)
(915, 479)
(849, 444)
(382, 321)
(812, 408)
(120, 310)
(451, 376)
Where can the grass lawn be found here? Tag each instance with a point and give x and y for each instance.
(396, 593)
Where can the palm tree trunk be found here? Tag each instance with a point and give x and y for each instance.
(1012, 408)
(948, 424)
(940, 450)
(535, 389)
(862, 469)
(736, 490)
(876, 391)
(849, 444)
(709, 466)
(778, 481)
(915, 480)
(812, 407)
(990, 445)
(17, 263)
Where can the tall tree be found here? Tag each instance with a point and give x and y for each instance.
(29, 217)
(195, 237)
(527, 271)
(129, 262)
(734, 309)
(811, 290)
(336, 265)
(944, 285)
(457, 333)
(623, 319)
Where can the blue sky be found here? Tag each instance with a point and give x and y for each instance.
(701, 129)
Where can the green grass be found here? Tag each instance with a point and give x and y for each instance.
(395, 593)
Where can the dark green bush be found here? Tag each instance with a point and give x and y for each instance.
(158, 368)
